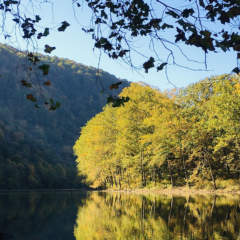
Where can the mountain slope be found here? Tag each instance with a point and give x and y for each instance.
(36, 144)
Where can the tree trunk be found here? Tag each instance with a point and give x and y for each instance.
(212, 176)
(170, 171)
(184, 167)
(142, 173)
(210, 170)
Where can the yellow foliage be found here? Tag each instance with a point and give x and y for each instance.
(188, 137)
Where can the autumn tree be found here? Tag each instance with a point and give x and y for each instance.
(213, 136)
(155, 139)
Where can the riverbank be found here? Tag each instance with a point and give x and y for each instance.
(178, 191)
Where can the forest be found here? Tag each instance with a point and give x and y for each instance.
(36, 141)
(189, 137)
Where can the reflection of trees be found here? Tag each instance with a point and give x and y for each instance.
(123, 216)
(37, 216)
(118, 217)
(214, 217)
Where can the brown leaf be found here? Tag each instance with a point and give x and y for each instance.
(115, 85)
(47, 83)
(31, 98)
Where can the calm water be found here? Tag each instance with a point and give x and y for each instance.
(80, 216)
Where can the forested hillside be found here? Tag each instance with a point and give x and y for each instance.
(190, 138)
(36, 144)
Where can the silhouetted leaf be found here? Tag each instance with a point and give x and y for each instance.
(33, 58)
(159, 68)
(115, 85)
(236, 70)
(37, 18)
(47, 83)
(149, 64)
(63, 27)
(187, 12)
(165, 25)
(31, 98)
(49, 49)
(26, 84)
(237, 47)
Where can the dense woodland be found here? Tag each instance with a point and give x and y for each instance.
(36, 143)
(186, 138)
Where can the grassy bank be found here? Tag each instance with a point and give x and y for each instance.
(179, 191)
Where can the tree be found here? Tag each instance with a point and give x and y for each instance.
(120, 147)
(165, 26)
(95, 150)
(154, 139)
(213, 138)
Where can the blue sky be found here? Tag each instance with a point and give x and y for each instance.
(78, 46)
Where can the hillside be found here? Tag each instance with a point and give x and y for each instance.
(36, 144)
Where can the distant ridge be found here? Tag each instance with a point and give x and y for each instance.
(36, 144)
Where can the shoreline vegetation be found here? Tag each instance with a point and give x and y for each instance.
(178, 191)
(184, 139)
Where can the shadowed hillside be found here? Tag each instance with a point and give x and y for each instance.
(36, 144)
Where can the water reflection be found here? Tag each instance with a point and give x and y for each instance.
(102, 216)
(124, 216)
(39, 216)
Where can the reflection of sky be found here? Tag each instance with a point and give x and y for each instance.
(76, 45)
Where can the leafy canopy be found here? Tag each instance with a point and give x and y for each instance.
(116, 25)
(160, 139)
(210, 25)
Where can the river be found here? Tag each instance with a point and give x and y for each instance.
(66, 215)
